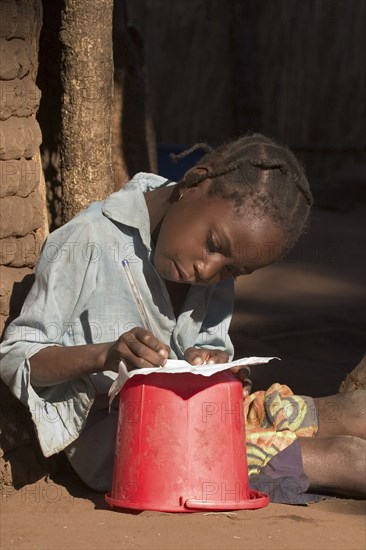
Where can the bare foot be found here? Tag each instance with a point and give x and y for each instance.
(356, 378)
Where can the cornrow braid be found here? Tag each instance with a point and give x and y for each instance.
(195, 147)
(257, 169)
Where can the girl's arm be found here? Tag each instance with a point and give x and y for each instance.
(56, 364)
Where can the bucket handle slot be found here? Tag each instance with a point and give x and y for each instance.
(256, 500)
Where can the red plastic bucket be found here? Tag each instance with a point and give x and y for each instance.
(180, 445)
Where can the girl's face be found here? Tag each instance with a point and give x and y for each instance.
(202, 240)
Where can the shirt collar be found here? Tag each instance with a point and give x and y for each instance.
(128, 205)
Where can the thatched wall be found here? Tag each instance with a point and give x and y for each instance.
(293, 69)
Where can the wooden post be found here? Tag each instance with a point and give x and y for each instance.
(87, 78)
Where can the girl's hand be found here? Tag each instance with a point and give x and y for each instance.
(243, 374)
(200, 356)
(139, 349)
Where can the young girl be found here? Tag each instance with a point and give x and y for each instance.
(186, 243)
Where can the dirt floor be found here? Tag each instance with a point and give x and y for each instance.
(309, 311)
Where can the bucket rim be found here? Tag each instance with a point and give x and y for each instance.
(256, 500)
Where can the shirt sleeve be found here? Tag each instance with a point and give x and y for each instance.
(64, 275)
(214, 333)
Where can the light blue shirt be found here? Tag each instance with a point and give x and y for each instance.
(81, 296)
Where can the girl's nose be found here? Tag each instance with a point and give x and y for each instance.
(209, 269)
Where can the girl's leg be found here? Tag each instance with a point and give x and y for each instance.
(342, 414)
(335, 464)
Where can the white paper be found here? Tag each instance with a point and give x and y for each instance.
(174, 366)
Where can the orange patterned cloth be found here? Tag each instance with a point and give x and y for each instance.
(274, 419)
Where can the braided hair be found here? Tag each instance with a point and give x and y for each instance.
(256, 169)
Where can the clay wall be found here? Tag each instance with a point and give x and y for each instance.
(23, 217)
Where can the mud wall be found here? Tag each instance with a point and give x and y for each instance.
(23, 218)
(22, 205)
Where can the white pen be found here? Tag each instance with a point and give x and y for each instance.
(137, 296)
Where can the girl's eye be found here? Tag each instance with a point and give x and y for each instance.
(210, 244)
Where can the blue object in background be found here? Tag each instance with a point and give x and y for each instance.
(175, 170)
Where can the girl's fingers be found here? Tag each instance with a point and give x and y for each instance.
(134, 361)
(247, 387)
(218, 356)
(150, 341)
(140, 349)
(200, 356)
(196, 356)
(241, 372)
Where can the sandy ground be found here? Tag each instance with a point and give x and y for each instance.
(47, 516)
(309, 311)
